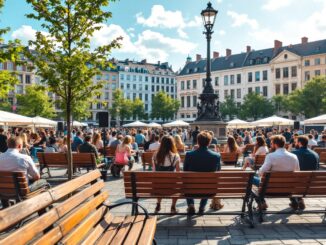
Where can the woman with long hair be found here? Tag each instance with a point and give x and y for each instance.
(97, 141)
(166, 159)
(26, 146)
(260, 149)
(231, 146)
(123, 156)
(179, 144)
(63, 147)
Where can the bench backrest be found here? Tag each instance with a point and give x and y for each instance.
(249, 147)
(322, 157)
(319, 150)
(13, 185)
(59, 223)
(231, 157)
(110, 151)
(147, 158)
(53, 159)
(187, 184)
(300, 183)
(259, 160)
(84, 160)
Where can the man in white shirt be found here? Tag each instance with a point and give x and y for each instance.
(12, 161)
(154, 146)
(279, 161)
(311, 141)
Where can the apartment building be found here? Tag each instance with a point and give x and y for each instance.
(143, 80)
(272, 71)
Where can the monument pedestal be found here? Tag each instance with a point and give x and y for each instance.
(218, 127)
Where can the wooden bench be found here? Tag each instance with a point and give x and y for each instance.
(229, 158)
(147, 159)
(259, 161)
(322, 157)
(75, 212)
(60, 160)
(289, 184)
(14, 186)
(181, 185)
(319, 150)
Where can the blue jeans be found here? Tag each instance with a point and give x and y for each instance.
(256, 181)
(202, 205)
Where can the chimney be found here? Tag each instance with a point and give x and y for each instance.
(304, 40)
(198, 57)
(277, 44)
(216, 55)
(159, 63)
(228, 52)
(144, 61)
(248, 49)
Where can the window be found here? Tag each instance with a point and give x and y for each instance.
(98, 77)
(194, 84)
(153, 79)
(232, 93)
(182, 115)
(167, 89)
(146, 97)
(1, 66)
(19, 68)
(134, 78)
(172, 89)
(203, 82)
(293, 86)
(157, 79)
(114, 78)
(20, 78)
(162, 87)
(250, 77)
(140, 78)
(27, 79)
(146, 107)
(182, 85)
(285, 56)
(153, 88)
(188, 101)
(294, 71)
(146, 79)
(107, 86)
(188, 84)
(216, 81)
(226, 80)
(10, 66)
(232, 79)
(194, 115)
(128, 86)
(249, 90)
(114, 86)
(162, 79)
(317, 61)
(157, 88)
(141, 96)
(307, 63)
(257, 90)
(106, 95)
(307, 75)
(257, 76)
(122, 76)
(167, 80)
(194, 101)
(19, 89)
(146, 87)
(122, 86)
(134, 96)
(239, 93)
(265, 75)
(278, 73)
(226, 93)
(98, 105)
(265, 88)
(285, 72)
(128, 77)
(285, 88)
(238, 78)
(317, 72)
(277, 89)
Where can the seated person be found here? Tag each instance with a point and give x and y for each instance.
(12, 161)
(123, 156)
(52, 147)
(154, 146)
(322, 143)
(179, 144)
(260, 149)
(87, 147)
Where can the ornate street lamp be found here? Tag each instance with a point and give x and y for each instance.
(208, 109)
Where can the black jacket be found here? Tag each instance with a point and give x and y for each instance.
(202, 160)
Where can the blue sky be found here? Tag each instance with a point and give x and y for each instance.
(169, 30)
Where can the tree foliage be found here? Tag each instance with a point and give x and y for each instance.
(164, 107)
(256, 106)
(9, 52)
(229, 107)
(64, 57)
(35, 102)
(138, 110)
(280, 103)
(311, 100)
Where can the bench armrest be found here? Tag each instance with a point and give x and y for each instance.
(124, 203)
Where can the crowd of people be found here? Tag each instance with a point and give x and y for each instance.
(285, 150)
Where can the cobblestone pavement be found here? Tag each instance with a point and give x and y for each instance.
(227, 229)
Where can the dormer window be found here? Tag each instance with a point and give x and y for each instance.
(258, 61)
(232, 64)
(265, 60)
(285, 56)
(252, 62)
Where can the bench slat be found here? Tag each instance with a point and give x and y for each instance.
(135, 230)
(147, 235)
(111, 231)
(98, 230)
(123, 231)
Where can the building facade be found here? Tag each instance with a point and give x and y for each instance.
(269, 72)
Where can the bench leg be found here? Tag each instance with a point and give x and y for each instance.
(134, 210)
(250, 212)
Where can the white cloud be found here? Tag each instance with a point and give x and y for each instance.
(242, 19)
(219, 1)
(162, 18)
(25, 33)
(272, 5)
(222, 33)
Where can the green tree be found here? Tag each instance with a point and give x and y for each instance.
(121, 107)
(229, 107)
(255, 106)
(65, 59)
(138, 109)
(280, 103)
(10, 52)
(164, 107)
(311, 100)
(35, 102)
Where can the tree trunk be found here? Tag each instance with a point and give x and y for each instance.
(69, 153)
